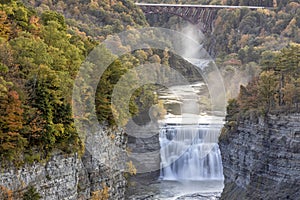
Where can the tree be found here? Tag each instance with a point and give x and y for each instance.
(268, 60)
(289, 91)
(232, 110)
(29, 53)
(49, 16)
(11, 124)
(5, 26)
(267, 87)
(287, 64)
(48, 98)
(248, 97)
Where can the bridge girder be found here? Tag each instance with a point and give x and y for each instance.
(195, 15)
(202, 15)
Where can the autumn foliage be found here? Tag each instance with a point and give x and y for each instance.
(276, 89)
(36, 72)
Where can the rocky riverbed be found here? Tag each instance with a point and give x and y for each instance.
(175, 190)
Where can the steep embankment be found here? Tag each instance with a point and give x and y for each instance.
(40, 55)
(71, 177)
(261, 158)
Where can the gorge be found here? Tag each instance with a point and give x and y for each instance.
(197, 152)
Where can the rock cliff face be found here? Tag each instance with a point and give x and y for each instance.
(70, 177)
(261, 158)
(146, 144)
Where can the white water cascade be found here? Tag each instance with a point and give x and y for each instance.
(190, 152)
(188, 145)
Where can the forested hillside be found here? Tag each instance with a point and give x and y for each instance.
(246, 42)
(276, 90)
(39, 60)
(95, 18)
(41, 52)
(242, 38)
(43, 44)
(40, 56)
(268, 42)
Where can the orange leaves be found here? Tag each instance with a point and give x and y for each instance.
(247, 98)
(35, 25)
(34, 20)
(101, 194)
(11, 123)
(244, 40)
(5, 28)
(14, 112)
(6, 193)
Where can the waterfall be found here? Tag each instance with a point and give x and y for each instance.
(190, 152)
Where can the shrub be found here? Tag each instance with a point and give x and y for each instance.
(31, 194)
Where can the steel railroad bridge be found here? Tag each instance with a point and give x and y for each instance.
(201, 15)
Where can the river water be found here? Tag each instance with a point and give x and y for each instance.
(191, 165)
(190, 152)
(186, 190)
(190, 158)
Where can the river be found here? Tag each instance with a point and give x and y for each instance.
(190, 159)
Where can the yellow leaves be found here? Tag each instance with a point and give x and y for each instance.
(128, 151)
(244, 40)
(141, 55)
(4, 85)
(101, 194)
(21, 14)
(5, 28)
(293, 6)
(290, 27)
(131, 168)
(223, 2)
(69, 36)
(112, 136)
(3, 16)
(155, 59)
(8, 146)
(94, 4)
(59, 129)
(266, 12)
(266, 75)
(158, 111)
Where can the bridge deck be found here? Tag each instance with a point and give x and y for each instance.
(200, 6)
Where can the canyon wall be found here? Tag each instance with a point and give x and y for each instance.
(146, 144)
(72, 177)
(261, 157)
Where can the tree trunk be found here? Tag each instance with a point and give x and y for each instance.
(280, 90)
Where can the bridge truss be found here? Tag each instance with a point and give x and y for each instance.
(202, 15)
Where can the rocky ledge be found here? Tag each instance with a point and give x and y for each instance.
(261, 158)
(200, 196)
(70, 177)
